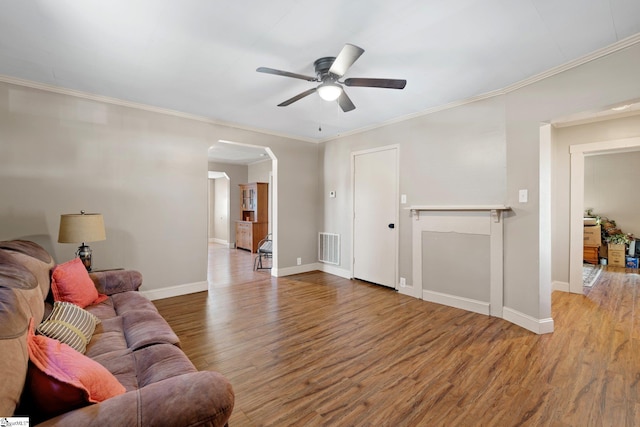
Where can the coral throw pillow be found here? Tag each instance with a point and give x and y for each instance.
(70, 282)
(61, 379)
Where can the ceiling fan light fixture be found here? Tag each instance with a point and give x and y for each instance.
(329, 91)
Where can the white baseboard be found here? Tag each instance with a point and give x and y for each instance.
(288, 271)
(336, 271)
(468, 304)
(539, 326)
(174, 291)
(560, 286)
(220, 241)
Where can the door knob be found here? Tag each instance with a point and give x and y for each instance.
(392, 226)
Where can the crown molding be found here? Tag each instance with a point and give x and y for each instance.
(600, 53)
(139, 106)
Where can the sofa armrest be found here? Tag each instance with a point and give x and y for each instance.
(115, 281)
(202, 398)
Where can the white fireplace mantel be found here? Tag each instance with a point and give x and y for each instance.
(496, 210)
(466, 219)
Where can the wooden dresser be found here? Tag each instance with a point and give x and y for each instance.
(590, 254)
(249, 234)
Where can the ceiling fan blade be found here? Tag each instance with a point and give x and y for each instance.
(285, 74)
(297, 97)
(345, 59)
(383, 83)
(345, 102)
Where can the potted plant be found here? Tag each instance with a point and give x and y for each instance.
(619, 239)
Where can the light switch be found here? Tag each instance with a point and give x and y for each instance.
(403, 199)
(332, 194)
(523, 196)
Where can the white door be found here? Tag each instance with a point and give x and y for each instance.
(375, 220)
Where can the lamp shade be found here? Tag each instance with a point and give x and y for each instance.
(80, 228)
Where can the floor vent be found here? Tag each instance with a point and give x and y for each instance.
(329, 248)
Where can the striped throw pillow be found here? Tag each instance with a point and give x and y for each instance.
(70, 324)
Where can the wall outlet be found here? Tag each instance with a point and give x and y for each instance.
(403, 282)
(299, 261)
(332, 194)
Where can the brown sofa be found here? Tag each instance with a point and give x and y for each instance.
(133, 342)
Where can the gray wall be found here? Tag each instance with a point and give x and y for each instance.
(453, 157)
(611, 188)
(259, 171)
(145, 171)
(483, 153)
(221, 218)
(211, 226)
(451, 261)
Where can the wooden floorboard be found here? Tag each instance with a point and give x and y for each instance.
(317, 350)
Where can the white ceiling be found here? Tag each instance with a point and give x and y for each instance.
(199, 56)
(236, 153)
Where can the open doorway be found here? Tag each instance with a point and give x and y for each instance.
(574, 138)
(578, 153)
(240, 164)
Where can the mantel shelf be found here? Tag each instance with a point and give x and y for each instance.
(459, 208)
(496, 210)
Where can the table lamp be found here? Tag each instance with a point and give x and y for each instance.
(82, 228)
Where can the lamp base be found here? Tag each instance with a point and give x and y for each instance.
(84, 253)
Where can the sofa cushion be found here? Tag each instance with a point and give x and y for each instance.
(147, 328)
(122, 364)
(69, 324)
(108, 337)
(159, 362)
(104, 310)
(61, 379)
(132, 301)
(70, 282)
(34, 258)
(119, 304)
(21, 297)
(116, 281)
(131, 317)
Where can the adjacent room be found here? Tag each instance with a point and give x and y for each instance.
(340, 214)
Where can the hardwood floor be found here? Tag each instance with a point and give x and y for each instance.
(317, 350)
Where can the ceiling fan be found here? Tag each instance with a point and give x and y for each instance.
(328, 72)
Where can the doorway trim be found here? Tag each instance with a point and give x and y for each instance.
(578, 153)
(273, 220)
(397, 210)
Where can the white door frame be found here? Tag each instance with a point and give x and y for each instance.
(353, 198)
(578, 153)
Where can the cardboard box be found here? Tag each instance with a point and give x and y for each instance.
(632, 262)
(589, 221)
(592, 235)
(617, 255)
